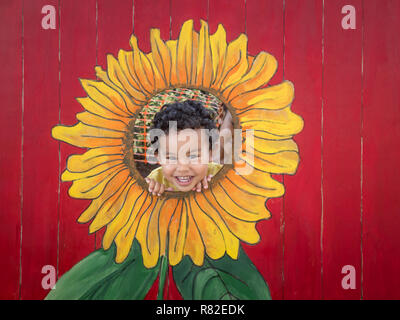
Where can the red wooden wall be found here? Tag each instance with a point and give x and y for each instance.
(342, 206)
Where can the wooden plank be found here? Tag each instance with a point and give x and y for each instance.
(341, 151)
(78, 59)
(302, 201)
(114, 29)
(151, 14)
(181, 11)
(381, 155)
(264, 24)
(40, 151)
(10, 159)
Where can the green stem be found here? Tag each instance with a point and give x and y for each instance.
(161, 277)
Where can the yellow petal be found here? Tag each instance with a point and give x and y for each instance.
(262, 70)
(195, 52)
(166, 214)
(271, 98)
(185, 53)
(272, 146)
(91, 187)
(94, 120)
(95, 108)
(148, 234)
(252, 209)
(202, 208)
(278, 163)
(94, 158)
(132, 104)
(106, 96)
(218, 51)
(96, 170)
(256, 182)
(125, 237)
(84, 136)
(111, 207)
(204, 73)
(177, 233)
(125, 59)
(111, 188)
(135, 199)
(161, 56)
(142, 67)
(242, 229)
(120, 80)
(249, 202)
(194, 246)
(281, 123)
(210, 233)
(172, 48)
(159, 82)
(235, 65)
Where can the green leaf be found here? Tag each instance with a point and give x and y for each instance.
(223, 279)
(99, 277)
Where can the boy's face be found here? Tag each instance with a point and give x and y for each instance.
(184, 157)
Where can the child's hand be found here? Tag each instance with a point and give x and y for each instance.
(203, 183)
(156, 188)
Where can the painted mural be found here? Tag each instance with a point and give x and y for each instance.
(198, 226)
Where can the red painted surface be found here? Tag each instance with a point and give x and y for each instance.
(78, 56)
(302, 201)
(10, 144)
(381, 155)
(40, 153)
(341, 207)
(341, 151)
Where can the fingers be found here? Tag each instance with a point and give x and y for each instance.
(155, 187)
(205, 182)
(161, 190)
(197, 187)
(151, 183)
(202, 184)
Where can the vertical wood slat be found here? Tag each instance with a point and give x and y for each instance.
(114, 29)
(11, 36)
(181, 11)
(302, 202)
(151, 14)
(381, 153)
(40, 152)
(264, 24)
(341, 151)
(78, 58)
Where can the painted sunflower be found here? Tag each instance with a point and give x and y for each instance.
(176, 224)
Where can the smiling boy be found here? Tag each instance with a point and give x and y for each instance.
(184, 149)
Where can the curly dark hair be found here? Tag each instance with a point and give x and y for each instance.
(188, 114)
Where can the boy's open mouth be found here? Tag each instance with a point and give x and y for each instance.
(183, 180)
